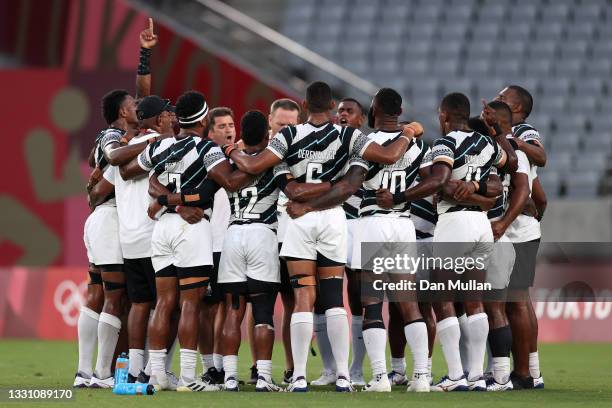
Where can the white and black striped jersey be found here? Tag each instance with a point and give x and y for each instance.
(396, 177)
(423, 214)
(183, 163)
(104, 138)
(471, 156)
(352, 204)
(528, 134)
(316, 154)
(256, 202)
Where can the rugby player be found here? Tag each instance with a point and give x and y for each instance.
(319, 150)
(524, 233)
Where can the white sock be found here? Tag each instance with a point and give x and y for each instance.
(375, 341)
(359, 349)
(207, 361)
(108, 334)
(448, 333)
(264, 369)
(170, 356)
(157, 359)
(338, 333)
(325, 350)
(534, 365)
(398, 365)
(464, 350)
(230, 363)
(501, 369)
(189, 360)
(87, 327)
(429, 365)
(477, 343)
(416, 336)
(218, 361)
(136, 357)
(301, 334)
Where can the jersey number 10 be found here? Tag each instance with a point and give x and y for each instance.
(391, 180)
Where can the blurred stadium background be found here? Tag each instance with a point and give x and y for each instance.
(58, 57)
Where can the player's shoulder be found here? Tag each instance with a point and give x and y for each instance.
(524, 131)
(109, 133)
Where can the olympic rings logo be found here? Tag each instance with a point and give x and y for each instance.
(68, 299)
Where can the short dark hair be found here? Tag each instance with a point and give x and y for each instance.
(525, 98)
(188, 104)
(218, 112)
(253, 127)
(355, 101)
(319, 97)
(111, 103)
(389, 101)
(502, 109)
(456, 105)
(285, 103)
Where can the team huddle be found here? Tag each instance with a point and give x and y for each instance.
(192, 232)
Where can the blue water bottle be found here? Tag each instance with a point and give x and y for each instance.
(121, 369)
(133, 389)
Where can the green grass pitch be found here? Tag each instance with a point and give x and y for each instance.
(575, 374)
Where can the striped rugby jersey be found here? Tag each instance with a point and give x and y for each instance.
(256, 202)
(395, 177)
(104, 138)
(529, 134)
(501, 204)
(181, 164)
(423, 215)
(352, 204)
(316, 154)
(471, 156)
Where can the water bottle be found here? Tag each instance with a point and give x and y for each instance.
(121, 369)
(133, 389)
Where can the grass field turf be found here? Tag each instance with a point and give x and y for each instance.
(575, 374)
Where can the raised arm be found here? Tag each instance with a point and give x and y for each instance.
(148, 40)
(394, 151)
(341, 191)
(118, 155)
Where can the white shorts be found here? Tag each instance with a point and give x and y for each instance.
(249, 251)
(501, 263)
(176, 242)
(398, 232)
(281, 226)
(101, 236)
(318, 232)
(470, 234)
(352, 226)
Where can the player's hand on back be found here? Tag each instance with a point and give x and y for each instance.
(464, 190)
(153, 209)
(296, 209)
(148, 38)
(94, 177)
(499, 228)
(384, 198)
(414, 129)
(192, 215)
